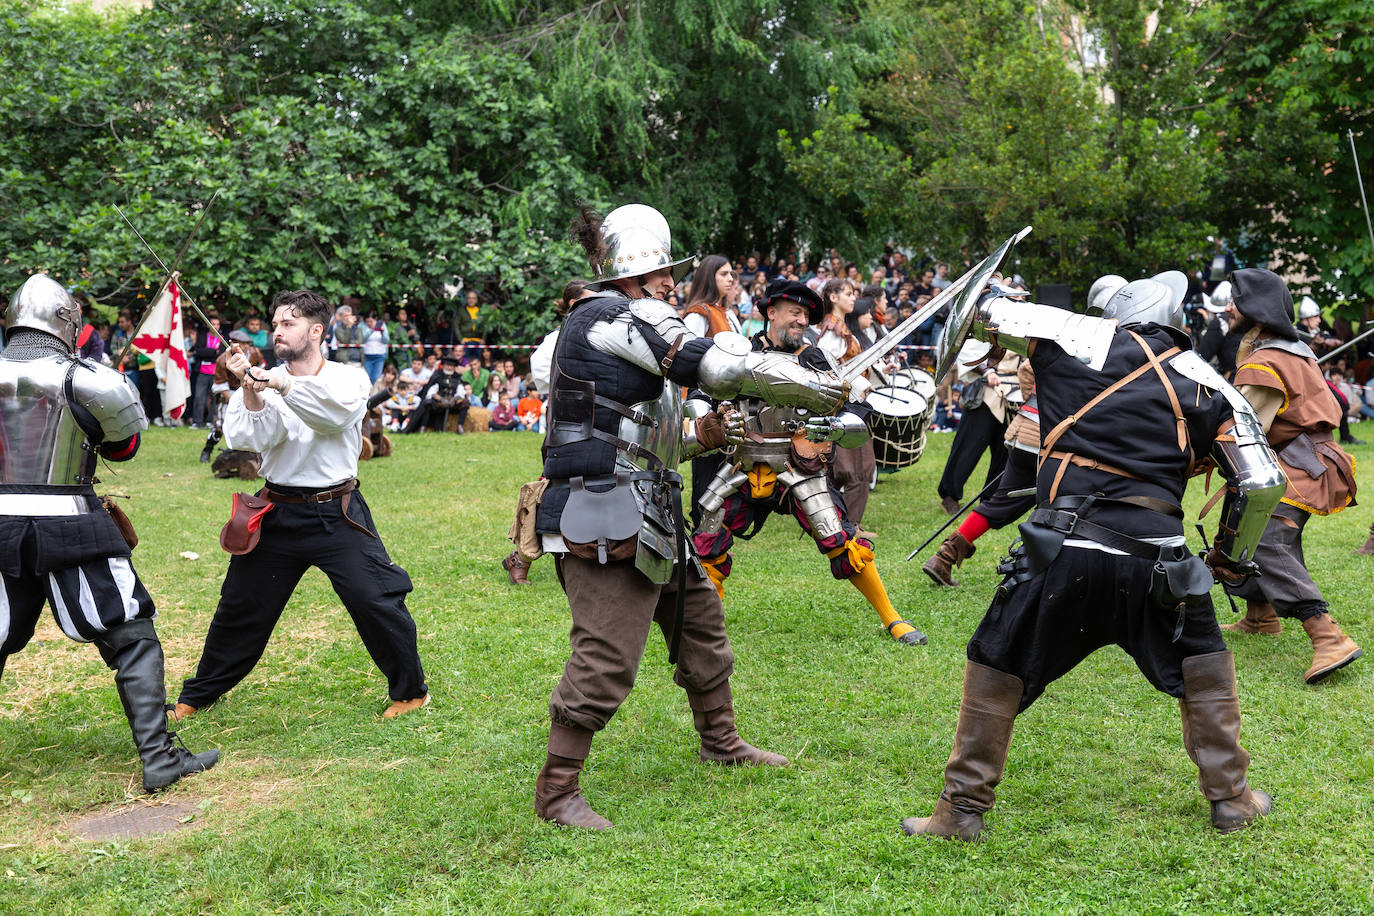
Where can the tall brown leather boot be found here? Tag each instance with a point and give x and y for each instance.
(1259, 618)
(516, 567)
(720, 739)
(1211, 736)
(557, 796)
(1367, 548)
(953, 552)
(1331, 648)
(986, 714)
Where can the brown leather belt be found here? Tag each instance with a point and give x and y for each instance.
(342, 492)
(322, 496)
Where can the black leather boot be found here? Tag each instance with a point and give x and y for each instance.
(135, 654)
(211, 441)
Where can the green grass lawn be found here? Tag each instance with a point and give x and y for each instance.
(319, 806)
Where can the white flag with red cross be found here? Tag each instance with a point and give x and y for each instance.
(160, 338)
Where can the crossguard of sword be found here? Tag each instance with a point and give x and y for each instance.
(256, 376)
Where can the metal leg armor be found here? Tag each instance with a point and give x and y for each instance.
(726, 482)
(812, 494)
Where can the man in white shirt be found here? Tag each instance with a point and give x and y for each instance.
(304, 417)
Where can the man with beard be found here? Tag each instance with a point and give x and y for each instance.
(779, 469)
(1279, 375)
(442, 394)
(305, 417)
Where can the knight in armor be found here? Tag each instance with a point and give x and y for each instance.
(779, 469)
(58, 415)
(1278, 373)
(1015, 493)
(612, 511)
(1128, 411)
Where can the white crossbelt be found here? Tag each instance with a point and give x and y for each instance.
(42, 504)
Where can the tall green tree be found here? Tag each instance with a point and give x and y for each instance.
(1000, 124)
(1291, 77)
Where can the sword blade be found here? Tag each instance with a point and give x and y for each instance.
(868, 358)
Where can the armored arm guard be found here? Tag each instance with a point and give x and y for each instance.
(109, 400)
(732, 367)
(1254, 478)
(1015, 325)
(693, 409)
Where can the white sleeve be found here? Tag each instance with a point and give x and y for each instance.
(696, 323)
(330, 402)
(541, 360)
(256, 430)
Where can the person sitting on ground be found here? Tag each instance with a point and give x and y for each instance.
(442, 395)
(503, 415)
(530, 410)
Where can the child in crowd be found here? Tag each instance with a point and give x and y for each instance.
(503, 415)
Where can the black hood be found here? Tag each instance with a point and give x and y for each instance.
(1263, 297)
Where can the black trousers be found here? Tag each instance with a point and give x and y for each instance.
(1001, 508)
(1085, 600)
(148, 394)
(296, 537)
(1284, 580)
(978, 431)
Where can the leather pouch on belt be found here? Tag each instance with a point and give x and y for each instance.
(121, 521)
(809, 457)
(241, 533)
(601, 525)
(1301, 453)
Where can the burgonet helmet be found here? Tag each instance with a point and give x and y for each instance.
(635, 240)
(1158, 300)
(42, 304)
(1220, 298)
(1263, 297)
(1103, 288)
(1308, 308)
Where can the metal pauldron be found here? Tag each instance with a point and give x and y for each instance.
(1014, 325)
(105, 393)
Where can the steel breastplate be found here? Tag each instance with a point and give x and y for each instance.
(40, 441)
(768, 434)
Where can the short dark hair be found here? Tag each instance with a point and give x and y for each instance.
(306, 304)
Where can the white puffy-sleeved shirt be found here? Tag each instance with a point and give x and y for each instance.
(310, 437)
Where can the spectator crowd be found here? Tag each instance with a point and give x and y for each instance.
(445, 362)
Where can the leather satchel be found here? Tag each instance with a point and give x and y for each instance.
(241, 533)
(121, 520)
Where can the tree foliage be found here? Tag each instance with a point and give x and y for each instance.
(397, 149)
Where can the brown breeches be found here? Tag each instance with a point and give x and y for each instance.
(612, 608)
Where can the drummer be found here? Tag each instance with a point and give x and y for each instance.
(778, 469)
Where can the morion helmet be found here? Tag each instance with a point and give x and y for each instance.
(637, 242)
